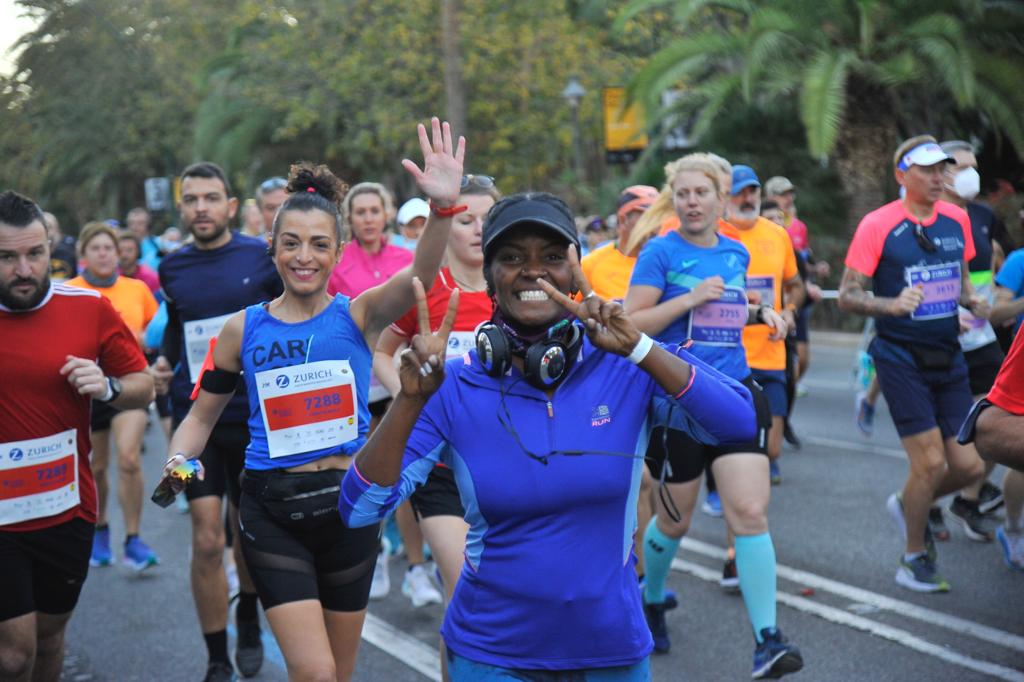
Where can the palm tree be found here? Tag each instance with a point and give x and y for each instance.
(864, 73)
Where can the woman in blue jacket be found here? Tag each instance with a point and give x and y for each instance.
(545, 427)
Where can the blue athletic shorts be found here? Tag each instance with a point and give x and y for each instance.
(462, 669)
(773, 382)
(920, 400)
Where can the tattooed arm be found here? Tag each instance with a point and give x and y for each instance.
(855, 298)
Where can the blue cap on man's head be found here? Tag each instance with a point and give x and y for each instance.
(743, 177)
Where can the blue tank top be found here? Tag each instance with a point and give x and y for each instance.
(311, 399)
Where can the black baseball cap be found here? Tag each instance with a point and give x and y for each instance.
(530, 208)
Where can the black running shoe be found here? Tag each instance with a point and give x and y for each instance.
(220, 672)
(655, 615)
(249, 647)
(730, 580)
(990, 498)
(976, 526)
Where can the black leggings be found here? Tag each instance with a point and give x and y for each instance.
(295, 544)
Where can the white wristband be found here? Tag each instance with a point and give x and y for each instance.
(641, 349)
(108, 395)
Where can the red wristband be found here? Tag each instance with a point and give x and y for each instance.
(447, 212)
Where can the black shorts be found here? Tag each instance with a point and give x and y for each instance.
(163, 406)
(44, 570)
(438, 496)
(982, 367)
(803, 318)
(101, 416)
(223, 459)
(296, 546)
(688, 457)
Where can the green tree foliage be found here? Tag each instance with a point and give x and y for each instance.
(99, 101)
(109, 92)
(863, 73)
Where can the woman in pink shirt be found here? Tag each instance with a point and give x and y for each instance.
(368, 258)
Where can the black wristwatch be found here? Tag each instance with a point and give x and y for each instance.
(115, 389)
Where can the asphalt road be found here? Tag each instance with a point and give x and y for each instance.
(837, 552)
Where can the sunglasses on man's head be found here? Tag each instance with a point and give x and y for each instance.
(923, 240)
(481, 181)
(270, 184)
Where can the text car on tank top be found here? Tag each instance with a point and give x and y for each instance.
(308, 386)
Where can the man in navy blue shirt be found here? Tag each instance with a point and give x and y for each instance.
(204, 283)
(914, 254)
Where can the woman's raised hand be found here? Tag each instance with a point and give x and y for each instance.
(607, 324)
(422, 368)
(441, 176)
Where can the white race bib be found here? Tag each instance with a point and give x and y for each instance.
(764, 285)
(980, 332)
(197, 341)
(308, 407)
(941, 287)
(460, 343)
(720, 322)
(38, 477)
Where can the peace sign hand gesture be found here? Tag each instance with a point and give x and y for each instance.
(607, 324)
(422, 369)
(441, 176)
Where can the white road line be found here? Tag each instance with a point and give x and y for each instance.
(829, 385)
(403, 647)
(897, 606)
(896, 635)
(865, 447)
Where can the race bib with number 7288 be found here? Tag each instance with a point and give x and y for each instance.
(38, 477)
(308, 407)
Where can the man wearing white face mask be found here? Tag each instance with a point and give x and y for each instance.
(981, 349)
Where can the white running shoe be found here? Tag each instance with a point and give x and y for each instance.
(418, 587)
(381, 584)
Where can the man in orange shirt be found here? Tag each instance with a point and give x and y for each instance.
(609, 267)
(773, 279)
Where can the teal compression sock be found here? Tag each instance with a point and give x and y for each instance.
(659, 550)
(755, 562)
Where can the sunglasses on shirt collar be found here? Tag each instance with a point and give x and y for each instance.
(923, 240)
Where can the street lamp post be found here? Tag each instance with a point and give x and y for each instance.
(573, 94)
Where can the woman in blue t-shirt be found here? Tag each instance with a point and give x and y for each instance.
(689, 287)
(307, 358)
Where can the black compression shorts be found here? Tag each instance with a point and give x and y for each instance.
(438, 496)
(44, 570)
(223, 459)
(296, 546)
(688, 457)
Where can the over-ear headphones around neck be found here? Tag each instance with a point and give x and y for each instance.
(545, 362)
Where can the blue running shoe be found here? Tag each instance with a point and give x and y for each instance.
(775, 656)
(712, 505)
(655, 616)
(921, 574)
(774, 474)
(865, 414)
(138, 556)
(1012, 545)
(101, 555)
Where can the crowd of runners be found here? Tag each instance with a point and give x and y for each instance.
(489, 385)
